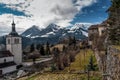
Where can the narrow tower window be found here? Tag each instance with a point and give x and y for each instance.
(16, 41)
(8, 41)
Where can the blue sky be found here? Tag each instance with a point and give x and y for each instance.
(95, 13)
(4, 10)
(43, 12)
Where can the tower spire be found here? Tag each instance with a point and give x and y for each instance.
(13, 26)
(13, 32)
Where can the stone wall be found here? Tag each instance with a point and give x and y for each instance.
(8, 59)
(113, 64)
(101, 60)
(109, 63)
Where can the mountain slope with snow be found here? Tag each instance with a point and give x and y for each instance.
(53, 33)
(33, 31)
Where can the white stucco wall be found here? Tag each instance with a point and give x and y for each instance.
(8, 69)
(90, 42)
(17, 52)
(8, 59)
(92, 31)
(100, 29)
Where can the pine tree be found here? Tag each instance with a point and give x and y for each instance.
(32, 48)
(91, 66)
(74, 40)
(47, 49)
(42, 50)
(64, 48)
(70, 40)
(38, 46)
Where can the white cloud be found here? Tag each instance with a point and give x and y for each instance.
(43, 12)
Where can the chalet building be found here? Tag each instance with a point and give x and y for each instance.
(95, 30)
(12, 56)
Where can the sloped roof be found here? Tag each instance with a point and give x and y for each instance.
(5, 54)
(97, 26)
(93, 27)
(13, 34)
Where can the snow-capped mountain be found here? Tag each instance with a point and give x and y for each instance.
(33, 31)
(80, 28)
(53, 33)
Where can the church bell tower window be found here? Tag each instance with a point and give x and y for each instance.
(8, 41)
(16, 41)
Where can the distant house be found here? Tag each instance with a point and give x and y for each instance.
(95, 30)
(7, 64)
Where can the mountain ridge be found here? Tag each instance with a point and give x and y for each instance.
(53, 33)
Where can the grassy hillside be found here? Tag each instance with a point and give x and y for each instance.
(66, 76)
(81, 60)
(117, 47)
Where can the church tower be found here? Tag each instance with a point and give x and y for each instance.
(14, 44)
